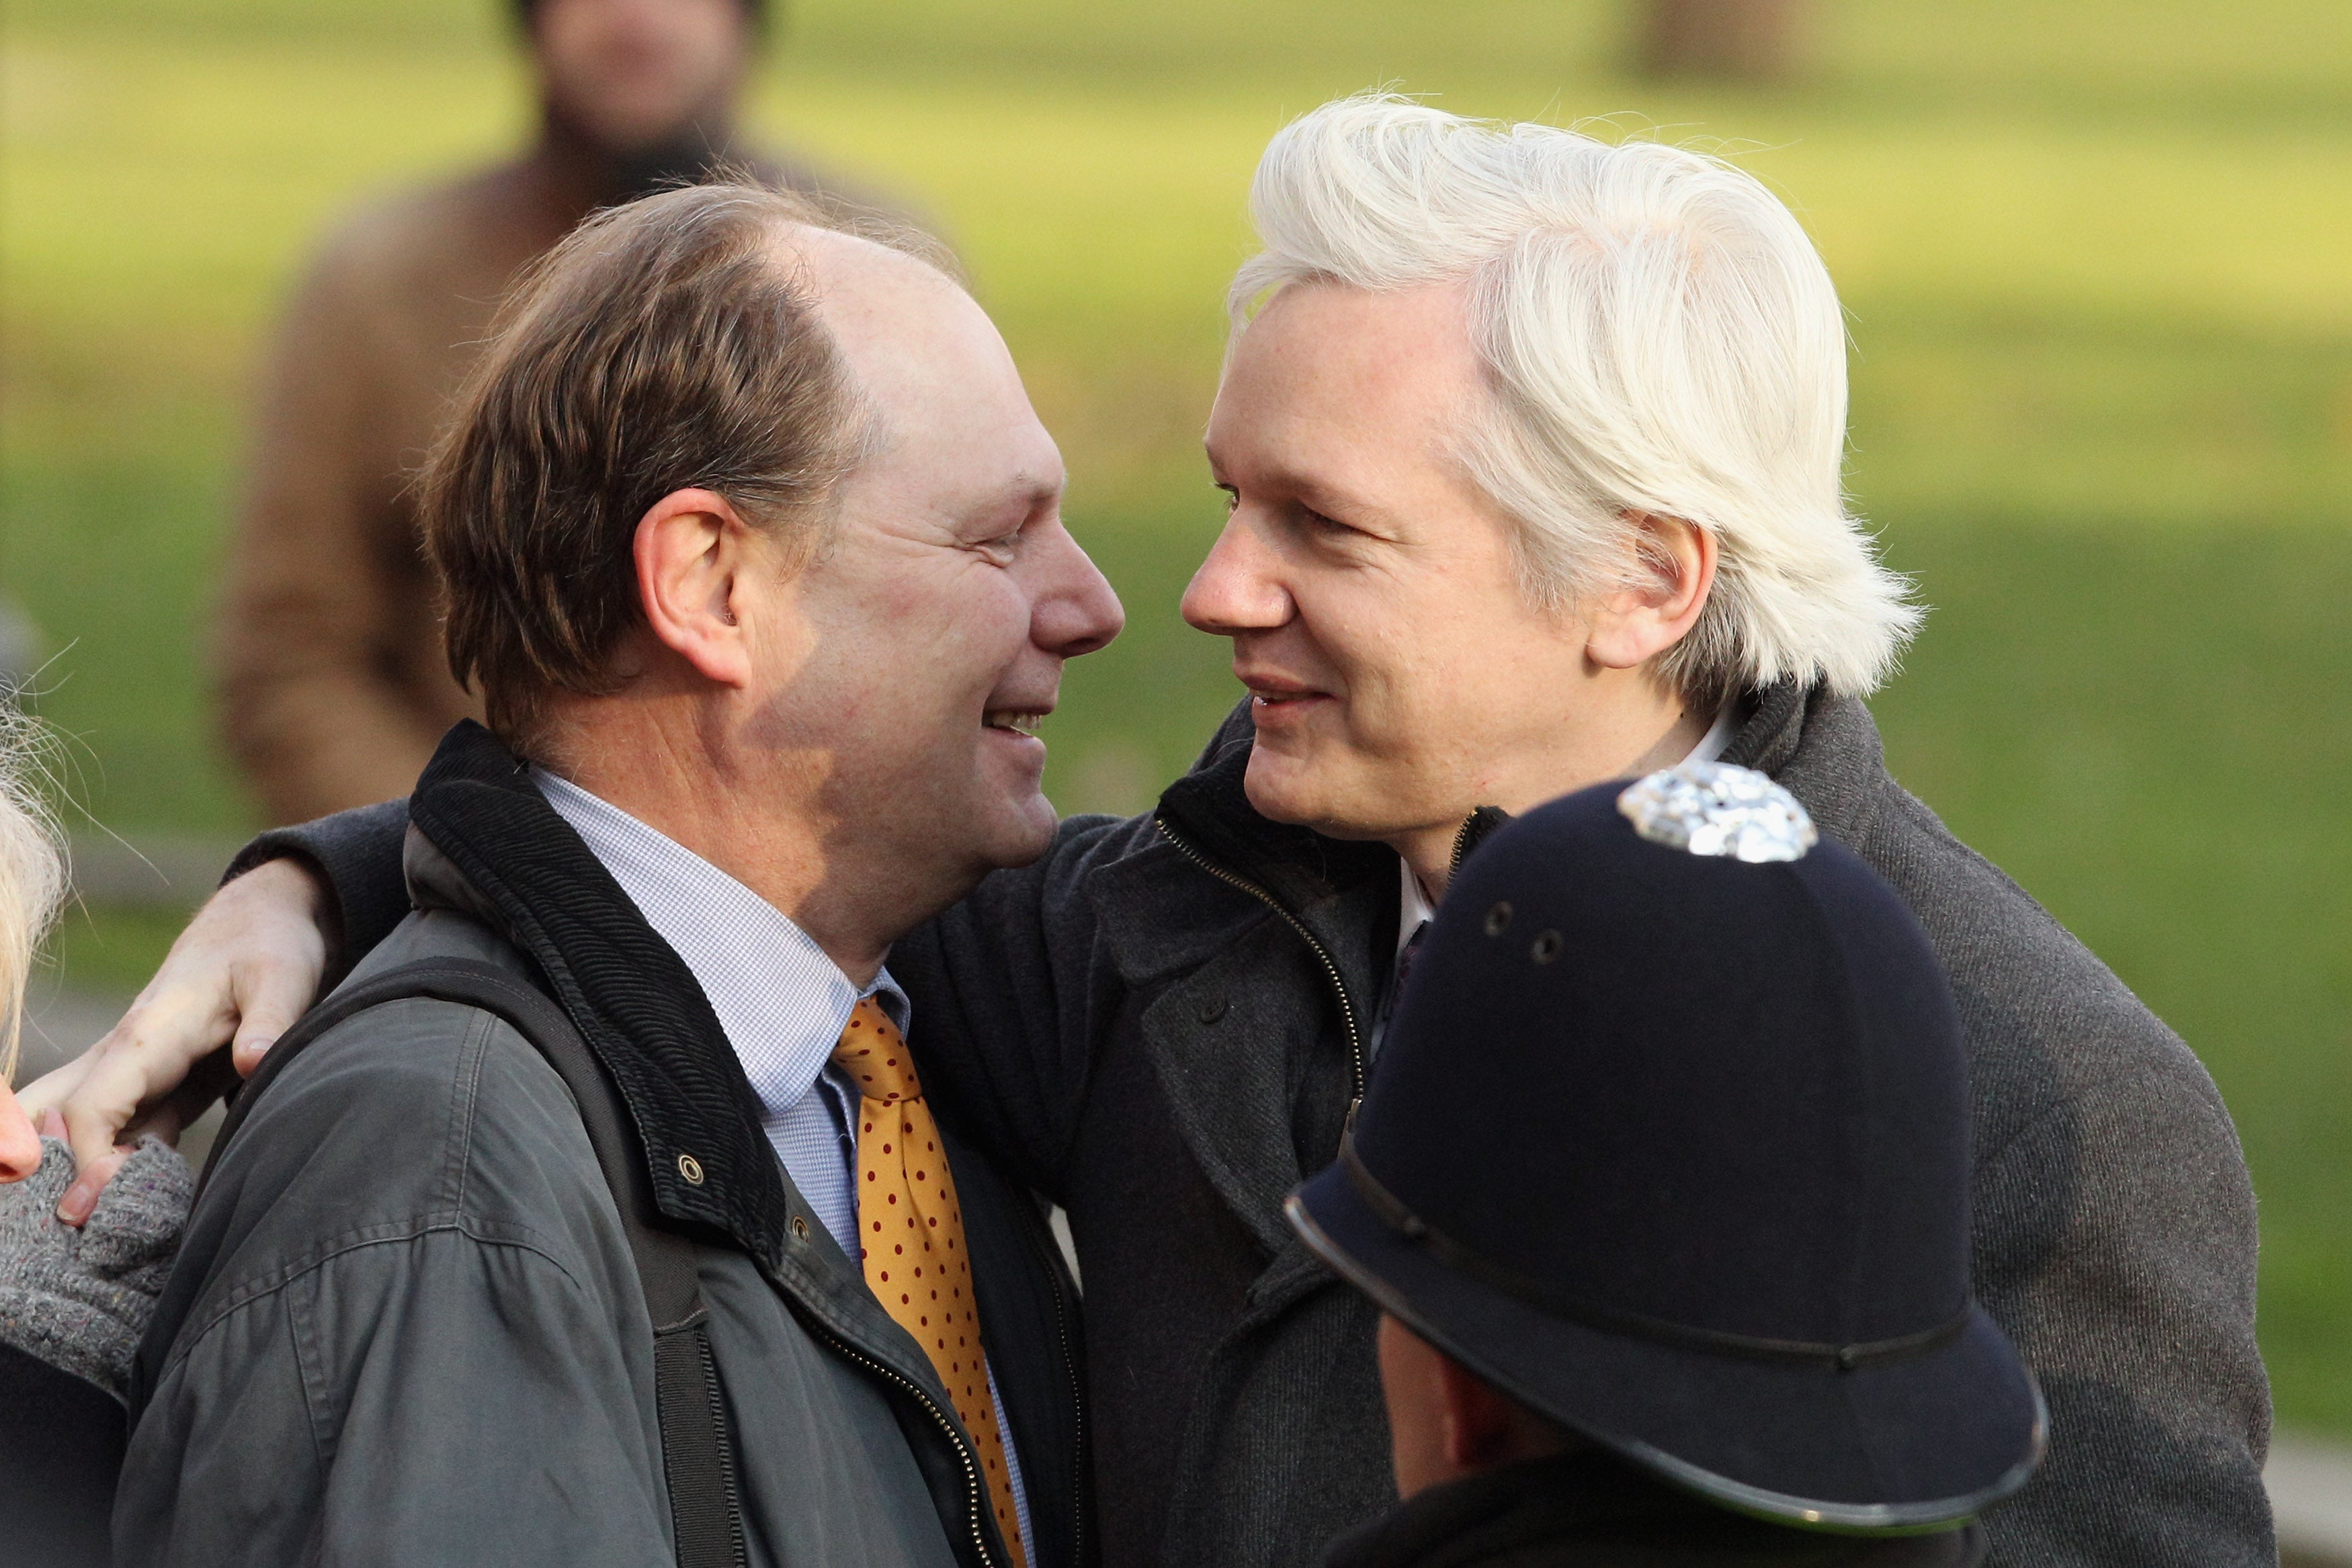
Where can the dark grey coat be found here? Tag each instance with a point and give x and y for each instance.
(1186, 1041)
(1162, 1023)
(405, 1326)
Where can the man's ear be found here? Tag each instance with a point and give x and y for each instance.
(1479, 1422)
(1484, 1428)
(692, 550)
(1675, 567)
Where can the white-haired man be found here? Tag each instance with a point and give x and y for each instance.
(1533, 446)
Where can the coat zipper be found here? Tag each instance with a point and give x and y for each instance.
(1078, 1448)
(1331, 969)
(1077, 1394)
(1462, 842)
(974, 1487)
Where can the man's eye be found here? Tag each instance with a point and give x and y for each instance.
(1232, 497)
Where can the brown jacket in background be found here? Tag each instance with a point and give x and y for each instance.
(333, 688)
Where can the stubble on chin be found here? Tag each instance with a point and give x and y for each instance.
(1348, 796)
(1279, 787)
(1019, 820)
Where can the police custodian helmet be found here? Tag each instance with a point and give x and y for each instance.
(1669, 1141)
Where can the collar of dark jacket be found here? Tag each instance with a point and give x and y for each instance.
(1207, 810)
(1339, 895)
(1824, 749)
(486, 842)
(1210, 868)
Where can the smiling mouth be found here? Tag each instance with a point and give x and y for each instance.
(1282, 697)
(1020, 721)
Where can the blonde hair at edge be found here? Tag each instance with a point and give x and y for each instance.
(1658, 335)
(32, 873)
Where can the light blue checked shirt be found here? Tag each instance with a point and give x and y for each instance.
(780, 1000)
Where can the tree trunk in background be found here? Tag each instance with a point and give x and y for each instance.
(1722, 40)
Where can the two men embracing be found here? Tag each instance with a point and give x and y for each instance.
(1533, 448)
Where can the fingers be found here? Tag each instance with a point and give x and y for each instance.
(50, 1089)
(167, 1119)
(163, 1108)
(142, 1059)
(53, 1125)
(269, 1001)
(89, 1179)
(244, 970)
(94, 1120)
(145, 1055)
(209, 1082)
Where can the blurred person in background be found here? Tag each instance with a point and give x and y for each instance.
(1533, 448)
(332, 685)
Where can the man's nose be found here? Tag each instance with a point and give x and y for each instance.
(1076, 611)
(1237, 589)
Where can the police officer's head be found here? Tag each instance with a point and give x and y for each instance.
(1668, 1151)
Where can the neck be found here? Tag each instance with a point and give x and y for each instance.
(590, 174)
(758, 819)
(1650, 736)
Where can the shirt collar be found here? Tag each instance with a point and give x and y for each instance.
(1718, 733)
(780, 1000)
(1413, 905)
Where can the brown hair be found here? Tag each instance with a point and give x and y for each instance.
(665, 345)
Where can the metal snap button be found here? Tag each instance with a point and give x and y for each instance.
(691, 1168)
(1213, 1010)
(800, 1228)
(1499, 919)
(1545, 949)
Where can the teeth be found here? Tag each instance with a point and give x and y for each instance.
(1013, 719)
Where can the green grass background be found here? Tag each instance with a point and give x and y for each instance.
(2095, 254)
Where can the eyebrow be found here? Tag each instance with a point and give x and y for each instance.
(1025, 493)
(1315, 494)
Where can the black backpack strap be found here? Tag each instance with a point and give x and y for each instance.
(699, 1461)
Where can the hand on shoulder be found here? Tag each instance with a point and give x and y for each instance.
(247, 966)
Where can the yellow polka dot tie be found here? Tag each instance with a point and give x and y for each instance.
(910, 1232)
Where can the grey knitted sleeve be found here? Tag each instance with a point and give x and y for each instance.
(79, 1299)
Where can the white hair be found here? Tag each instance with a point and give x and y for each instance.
(32, 871)
(1658, 335)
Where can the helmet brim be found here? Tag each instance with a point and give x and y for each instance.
(1900, 1447)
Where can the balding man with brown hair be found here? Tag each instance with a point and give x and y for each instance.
(752, 540)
